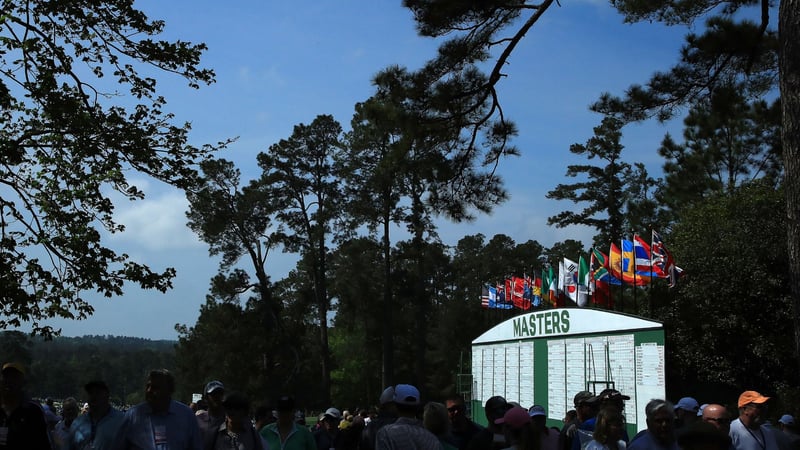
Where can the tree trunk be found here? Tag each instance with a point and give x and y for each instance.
(387, 372)
(789, 66)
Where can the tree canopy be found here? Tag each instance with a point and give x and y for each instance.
(68, 140)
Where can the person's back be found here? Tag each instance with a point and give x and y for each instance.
(23, 420)
(407, 432)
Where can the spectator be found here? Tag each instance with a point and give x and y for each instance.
(660, 433)
(516, 428)
(787, 427)
(686, 412)
(286, 433)
(407, 432)
(584, 410)
(718, 416)
(98, 428)
(435, 419)
(387, 413)
(491, 437)
(327, 436)
(69, 411)
(748, 432)
(548, 438)
(23, 419)
(236, 432)
(210, 419)
(607, 434)
(461, 427)
(159, 422)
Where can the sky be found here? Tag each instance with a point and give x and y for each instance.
(279, 64)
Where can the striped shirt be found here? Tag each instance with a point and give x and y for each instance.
(406, 434)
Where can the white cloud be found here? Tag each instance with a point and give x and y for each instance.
(156, 223)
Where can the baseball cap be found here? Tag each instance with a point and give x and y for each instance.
(700, 409)
(516, 417)
(387, 396)
(582, 397)
(688, 404)
(213, 386)
(406, 394)
(748, 397)
(536, 410)
(19, 367)
(333, 412)
(786, 419)
(609, 395)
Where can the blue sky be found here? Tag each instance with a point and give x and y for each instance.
(283, 63)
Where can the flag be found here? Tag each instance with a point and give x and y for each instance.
(497, 298)
(662, 259)
(517, 289)
(551, 283)
(569, 279)
(626, 265)
(485, 296)
(537, 292)
(643, 262)
(584, 284)
(600, 268)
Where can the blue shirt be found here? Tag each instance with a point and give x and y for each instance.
(105, 431)
(176, 429)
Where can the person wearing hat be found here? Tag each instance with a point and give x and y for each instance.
(407, 432)
(748, 431)
(327, 435)
(387, 413)
(607, 398)
(211, 418)
(660, 432)
(549, 439)
(787, 427)
(22, 421)
(584, 409)
(492, 436)
(686, 412)
(98, 428)
(60, 433)
(159, 422)
(461, 427)
(286, 433)
(516, 425)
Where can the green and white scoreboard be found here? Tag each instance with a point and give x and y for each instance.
(546, 357)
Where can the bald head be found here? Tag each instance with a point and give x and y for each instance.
(717, 415)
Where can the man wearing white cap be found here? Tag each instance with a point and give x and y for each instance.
(327, 436)
(210, 420)
(748, 432)
(407, 432)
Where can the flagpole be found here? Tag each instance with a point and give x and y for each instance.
(633, 261)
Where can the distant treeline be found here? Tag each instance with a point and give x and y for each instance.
(59, 368)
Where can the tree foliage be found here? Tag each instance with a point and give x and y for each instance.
(67, 141)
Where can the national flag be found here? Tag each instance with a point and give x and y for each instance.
(517, 289)
(662, 259)
(485, 296)
(584, 282)
(497, 298)
(627, 263)
(600, 268)
(569, 279)
(537, 291)
(551, 283)
(643, 260)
